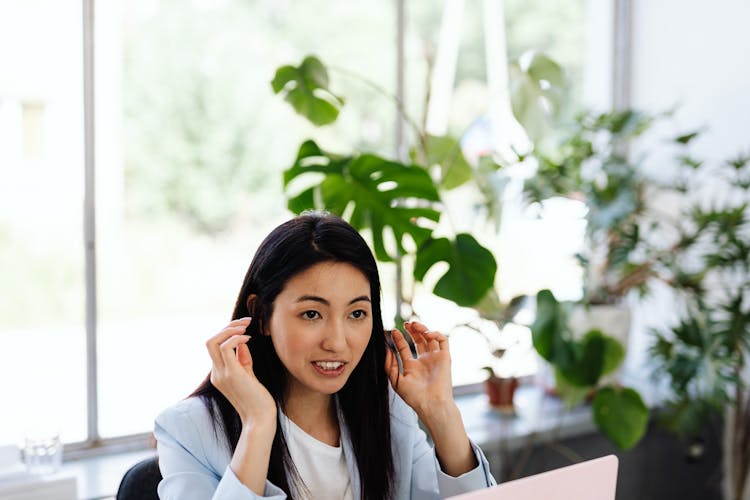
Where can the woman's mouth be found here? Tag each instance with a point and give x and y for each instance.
(329, 368)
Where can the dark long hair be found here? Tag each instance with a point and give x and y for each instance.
(291, 248)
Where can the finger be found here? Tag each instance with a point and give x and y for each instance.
(213, 344)
(437, 341)
(391, 367)
(227, 349)
(244, 357)
(421, 332)
(416, 335)
(240, 321)
(402, 346)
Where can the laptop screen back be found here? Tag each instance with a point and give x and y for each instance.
(591, 480)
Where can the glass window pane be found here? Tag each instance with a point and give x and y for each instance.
(42, 290)
(532, 253)
(191, 143)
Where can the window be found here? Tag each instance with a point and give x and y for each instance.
(42, 291)
(534, 250)
(190, 145)
(33, 130)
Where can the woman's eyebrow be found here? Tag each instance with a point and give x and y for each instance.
(360, 298)
(315, 298)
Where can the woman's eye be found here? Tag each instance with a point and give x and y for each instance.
(358, 314)
(310, 314)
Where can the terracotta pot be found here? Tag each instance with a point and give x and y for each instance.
(500, 392)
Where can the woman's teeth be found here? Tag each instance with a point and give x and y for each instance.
(329, 365)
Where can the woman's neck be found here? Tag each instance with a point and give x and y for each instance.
(314, 414)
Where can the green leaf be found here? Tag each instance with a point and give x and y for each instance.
(550, 332)
(621, 415)
(381, 195)
(471, 271)
(446, 152)
(305, 87)
(542, 68)
(685, 138)
(614, 353)
(588, 362)
(571, 394)
(535, 93)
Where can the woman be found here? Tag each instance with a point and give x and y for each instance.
(299, 401)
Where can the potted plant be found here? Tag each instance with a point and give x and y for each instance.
(583, 341)
(501, 390)
(404, 206)
(580, 363)
(590, 165)
(703, 356)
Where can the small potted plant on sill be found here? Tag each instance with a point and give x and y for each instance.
(501, 390)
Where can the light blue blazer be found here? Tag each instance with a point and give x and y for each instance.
(195, 462)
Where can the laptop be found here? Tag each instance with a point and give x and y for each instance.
(590, 480)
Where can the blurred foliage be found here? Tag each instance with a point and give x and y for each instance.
(579, 366)
(403, 204)
(202, 137)
(704, 354)
(590, 163)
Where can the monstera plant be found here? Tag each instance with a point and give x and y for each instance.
(400, 204)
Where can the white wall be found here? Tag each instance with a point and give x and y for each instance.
(695, 53)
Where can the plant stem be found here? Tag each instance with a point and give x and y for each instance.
(740, 454)
(380, 90)
(399, 290)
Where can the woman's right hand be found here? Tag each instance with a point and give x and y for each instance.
(232, 373)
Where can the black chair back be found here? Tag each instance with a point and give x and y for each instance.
(140, 481)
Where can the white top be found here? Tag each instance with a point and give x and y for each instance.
(322, 467)
(195, 462)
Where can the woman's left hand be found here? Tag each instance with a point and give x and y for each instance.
(425, 385)
(426, 380)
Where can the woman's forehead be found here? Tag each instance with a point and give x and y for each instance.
(333, 281)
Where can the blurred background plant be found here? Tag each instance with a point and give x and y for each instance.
(682, 223)
(591, 164)
(703, 356)
(579, 364)
(405, 207)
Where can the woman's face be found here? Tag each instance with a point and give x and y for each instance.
(320, 327)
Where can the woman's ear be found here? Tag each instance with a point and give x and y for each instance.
(253, 312)
(250, 303)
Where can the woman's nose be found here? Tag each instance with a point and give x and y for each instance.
(335, 337)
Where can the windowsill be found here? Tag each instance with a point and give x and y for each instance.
(539, 418)
(99, 476)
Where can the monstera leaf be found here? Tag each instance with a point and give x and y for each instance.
(305, 87)
(593, 356)
(535, 93)
(471, 272)
(446, 152)
(621, 415)
(550, 332)
(384, 196)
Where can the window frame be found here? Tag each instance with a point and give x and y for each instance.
(617, 79)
